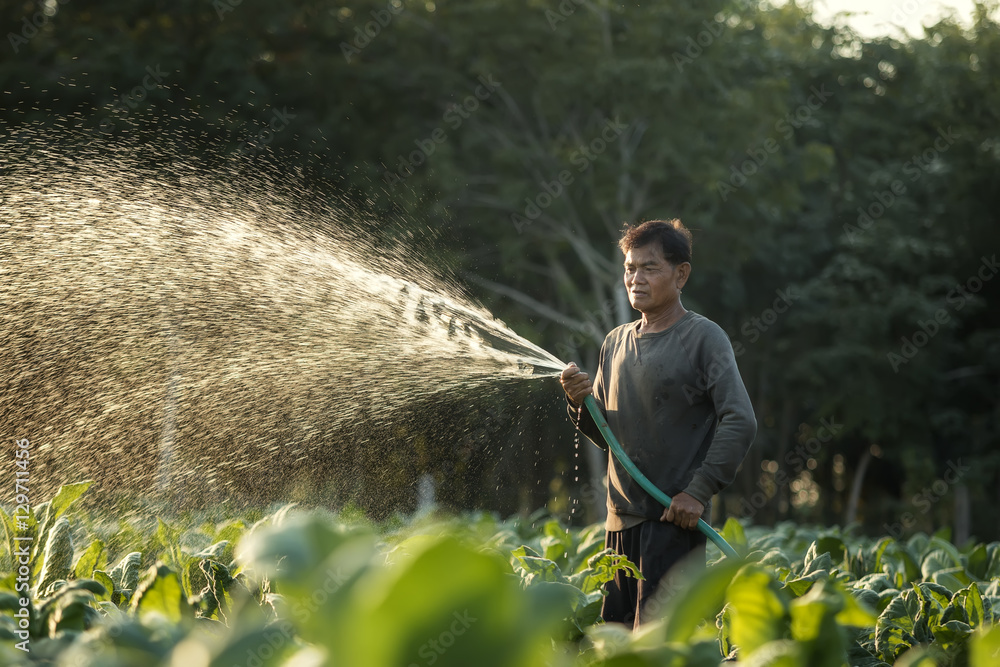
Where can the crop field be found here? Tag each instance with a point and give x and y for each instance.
(289, 586)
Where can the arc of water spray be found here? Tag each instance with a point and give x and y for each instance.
(643, 481)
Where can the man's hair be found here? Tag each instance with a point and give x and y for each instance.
(672, 236)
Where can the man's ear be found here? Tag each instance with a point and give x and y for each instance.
(683, 273)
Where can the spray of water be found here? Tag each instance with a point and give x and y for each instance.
(162, 327)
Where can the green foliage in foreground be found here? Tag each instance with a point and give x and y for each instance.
(306, 588)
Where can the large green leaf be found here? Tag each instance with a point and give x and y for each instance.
(817, 562)
(698, 601)
(105, 580)
(294, 550)
(952, 578)
(876, 581)
(901, 626)
(556, 542)
(774, 558)
(215, 551)
(759, 611)
(93, 558)
(978, 561)
(602, 568)
(937, 596)
(579, 610)
(993, 561)
(161, 595)
(732, 531)
(910, 619)
(9, 602)
(536, 569)
(830, 544)
(778, 653)
(125, 576)
(938, 559)
(921, 656)
(72, 612)
(984, 649)
(263, 646)
(857, 612)
(65, 497)
(448, 604)
(11, 531)
(222, 588)
(879, 552)
(971, 601)
(952, 634)
(57, 560)
(868, 598)
(49, 515)
(590, 542)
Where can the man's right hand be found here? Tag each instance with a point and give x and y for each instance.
(576, 383)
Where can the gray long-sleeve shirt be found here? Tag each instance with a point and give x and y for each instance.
(677, 404)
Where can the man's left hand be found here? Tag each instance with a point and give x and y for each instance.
(684, 511)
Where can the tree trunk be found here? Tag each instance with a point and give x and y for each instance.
(963, 515)
(785, 435)
(855, 497)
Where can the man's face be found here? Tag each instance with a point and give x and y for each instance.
(652, 282)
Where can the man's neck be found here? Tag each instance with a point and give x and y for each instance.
(655, 322)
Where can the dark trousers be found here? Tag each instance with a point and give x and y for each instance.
(655, 547)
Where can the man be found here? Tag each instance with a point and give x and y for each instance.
(670, 389)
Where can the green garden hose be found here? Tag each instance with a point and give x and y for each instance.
(643, 481)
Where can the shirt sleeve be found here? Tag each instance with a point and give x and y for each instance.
(736, 426)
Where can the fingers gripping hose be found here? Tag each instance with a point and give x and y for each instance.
(643, 481)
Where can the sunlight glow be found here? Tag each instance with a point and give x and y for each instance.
(896, 18)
